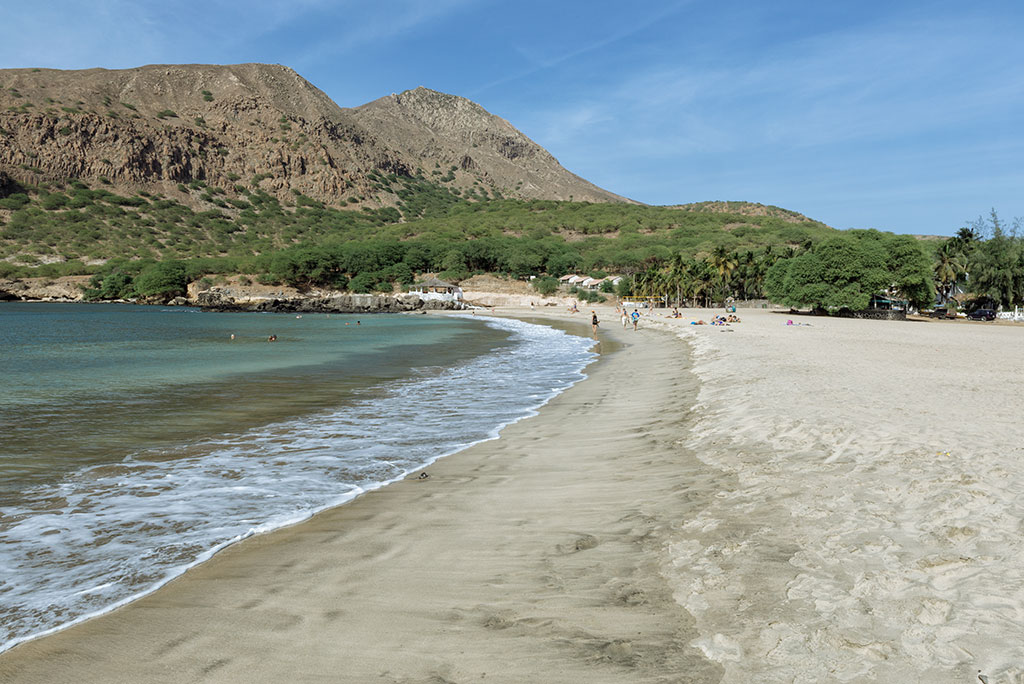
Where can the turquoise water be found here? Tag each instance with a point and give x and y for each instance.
(87, 384)
(137, 441)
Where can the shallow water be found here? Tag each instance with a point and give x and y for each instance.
(136, 441)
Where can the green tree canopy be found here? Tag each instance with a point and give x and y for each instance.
(846, 270)
(163, 279)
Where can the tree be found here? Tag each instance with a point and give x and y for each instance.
(840, 272)
(950, 265)
(307, 267)
(910, 269)
(723, 264)
(546, 285)
(162, 280)
(995, 265)
(995, 269)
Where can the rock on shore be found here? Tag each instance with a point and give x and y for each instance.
(216, 299)
(233, 298)
(63, 289)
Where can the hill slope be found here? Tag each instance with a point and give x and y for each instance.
(459, 135)
(154, 127)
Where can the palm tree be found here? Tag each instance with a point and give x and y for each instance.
(676, 275)
(723, 263)
(702, 283)
(950, 264)
(748, 276)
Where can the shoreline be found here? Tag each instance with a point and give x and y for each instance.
(757, 502)
(269, 528)
(34, 660)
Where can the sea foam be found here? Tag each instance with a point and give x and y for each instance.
(108, 534)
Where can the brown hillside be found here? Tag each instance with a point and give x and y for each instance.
(435, 128)
(745, 209)
(153, 127)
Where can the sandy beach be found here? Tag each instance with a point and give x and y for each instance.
(535, 557)
(868, 521)
(838, 501)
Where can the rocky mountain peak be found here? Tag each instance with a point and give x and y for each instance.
(159, 127)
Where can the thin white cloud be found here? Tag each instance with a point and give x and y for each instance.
(383, 23)
(865, 84)
(542, 60)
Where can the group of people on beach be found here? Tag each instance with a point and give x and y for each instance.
(625, 317)
(628, 318)
(718, 320)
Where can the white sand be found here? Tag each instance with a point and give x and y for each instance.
(868, 523)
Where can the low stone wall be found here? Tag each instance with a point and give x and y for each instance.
(875, 314)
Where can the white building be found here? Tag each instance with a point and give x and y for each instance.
(433, 288)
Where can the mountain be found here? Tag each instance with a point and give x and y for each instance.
(160, 128)
(429, 126)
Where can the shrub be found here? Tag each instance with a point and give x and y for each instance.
(162, 280)
(15, 201)
(362, 283)
(546, 285)
(54, 201)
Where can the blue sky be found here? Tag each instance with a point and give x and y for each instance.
(901, 116)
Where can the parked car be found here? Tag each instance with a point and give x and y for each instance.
(982, 315)
(942, 313)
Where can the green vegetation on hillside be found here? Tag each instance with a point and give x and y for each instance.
(151, 245)
(433, 228)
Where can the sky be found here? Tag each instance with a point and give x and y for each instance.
(897, 115)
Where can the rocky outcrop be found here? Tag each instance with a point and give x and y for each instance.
(216, 299)
(281, 299)
(64, 289)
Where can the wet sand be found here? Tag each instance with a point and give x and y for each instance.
(538, 557)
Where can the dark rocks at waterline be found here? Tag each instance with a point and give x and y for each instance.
(213, 300)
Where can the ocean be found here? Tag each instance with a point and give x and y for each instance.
(136, 442)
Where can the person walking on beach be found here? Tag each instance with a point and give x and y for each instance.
(636, 318)
(593, 320)
(625, 318)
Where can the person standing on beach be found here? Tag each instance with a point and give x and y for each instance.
(636, 318)
(593, 320)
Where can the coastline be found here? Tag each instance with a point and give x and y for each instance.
(527, 558)
(831, 501)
